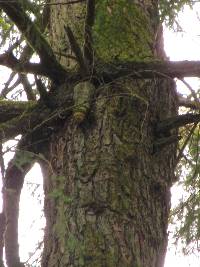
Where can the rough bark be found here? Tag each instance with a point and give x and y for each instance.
(107, 171)
(107, 195)
(107, 188)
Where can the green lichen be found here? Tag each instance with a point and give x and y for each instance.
(17, 104)
(121, 31)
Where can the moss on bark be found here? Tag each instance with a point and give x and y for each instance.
(107, 191)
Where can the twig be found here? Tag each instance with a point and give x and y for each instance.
(180, 154)
(6, 88)
(190, 88)
(182, 101)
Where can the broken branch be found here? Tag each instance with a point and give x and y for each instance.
(88, 51)
(76, 50)
(176, 122)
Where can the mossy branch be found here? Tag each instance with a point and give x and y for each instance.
(14, 179)
(11, 109)
(23, 123)
(21, 117)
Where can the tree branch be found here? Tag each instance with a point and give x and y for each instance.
(108, 72)
(77, 51)
(27, 117)
(192, 91)
(33, 36)
(184, 102)
(88, 50)
(12, 109)
(150, 69)
(27, 87)
(175, 122)
(10, 61)
(180, 154)
(42, 91)
(64, 3)
(8, 89)
(14, 179)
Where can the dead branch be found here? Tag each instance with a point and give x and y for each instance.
(77, 51)
(21, 117)
(27, 87)
(180, 154)
(33, 35)
(166, 125)
(88, 50)
(184, 102)
(42, 91)
(63, 3)
(8, 88)
(10, 61)
(190, 89)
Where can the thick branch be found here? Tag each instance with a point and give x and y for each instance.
(12, 109)
(33, 35)
(10, 61)
(31, 116)
(109, 72)
(14, 179)
(23, 123)
(150, 69)
(176, 122)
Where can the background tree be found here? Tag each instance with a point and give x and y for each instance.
(101, 119)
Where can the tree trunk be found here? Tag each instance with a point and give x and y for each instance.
(107, 180)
